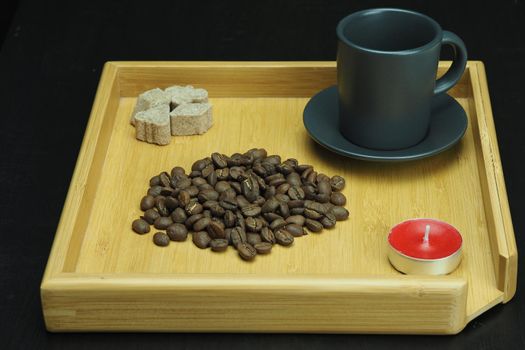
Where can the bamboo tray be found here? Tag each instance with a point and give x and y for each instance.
(102, 277)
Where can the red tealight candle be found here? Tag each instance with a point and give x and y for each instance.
(424, 246)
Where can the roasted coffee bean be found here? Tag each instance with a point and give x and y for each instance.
(235, 159)
(282, 197)
(193, 191)
(183, 183)
(295, 230)
(179, 215)
(284, 210)
(250, 189)
(302, 167)
(222, 186)
(306, 173)
(195, 173)
(283, 188)
(207, 170)
(201, 224)
(201, 239)
(229, 218)
(272, 216)
(291, 161)
(337, 198)
(295, 219)
(322, 178)
(340, 213)
(318, 207)
(193, 208)
(177, 232)
(215, 230)
(240, 220)
(309, 191)
(283, 237)
(177, 171)
(253, 224)
(209, 204)
(171, 203)
(253, 238)
(270, 192)
(285, 168)
(147, 202)
(277, 224)
(258, 153)
(273, 159)
(228, 233)
(184, 198)
(229, 193)
(313, 225)
(260, 170)
(192, 220)
(198, 181)
(217, 211)
(162, 222)
(269, 167)
(312, 178)
(260, 181)
(295, 203)
(219, 244)
(165, 179)
(154, 191)
(297, 211)
(151, 215)
(159, 198)
(238, 236)
(274, 177)
(166, 191)
(251, 210)
(337, 183)
(242, 201)
(206, 213)
(161, 239)
(212, 179)
(246, 251)
(328, 221)
(263, 247)
(322, 197)
(219, 160)
(235, 172)
(228, 203)
(277, 182)
(296, 193)
(328, 206)
(201, 164)
(312, 214)
(267, 235)
(270, 205)
(205, 187)
(323, 187)
(236, 187)
(208, 195)
(140, 226)
(154, 181)
(294, 179)
(161, 207)
(222, 174)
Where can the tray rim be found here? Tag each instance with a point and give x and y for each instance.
(502, 239)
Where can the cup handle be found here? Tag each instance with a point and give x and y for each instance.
(457, 68)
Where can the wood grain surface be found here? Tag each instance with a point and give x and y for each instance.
(102, 276)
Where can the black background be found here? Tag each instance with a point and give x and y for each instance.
(50, 64)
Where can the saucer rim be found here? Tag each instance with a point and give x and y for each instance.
(386, 155)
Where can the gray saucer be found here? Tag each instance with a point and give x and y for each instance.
(448, 123)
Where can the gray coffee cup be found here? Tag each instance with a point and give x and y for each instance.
(387, 63)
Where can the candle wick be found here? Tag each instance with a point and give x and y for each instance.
(427, 234)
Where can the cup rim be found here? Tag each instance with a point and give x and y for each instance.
(344, 21)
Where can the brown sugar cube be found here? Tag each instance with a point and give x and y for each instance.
(191, 119)
(153, 125)
(149, 99)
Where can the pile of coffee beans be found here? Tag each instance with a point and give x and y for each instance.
(250, 201)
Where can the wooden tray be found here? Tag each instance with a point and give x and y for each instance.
(103, 277)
